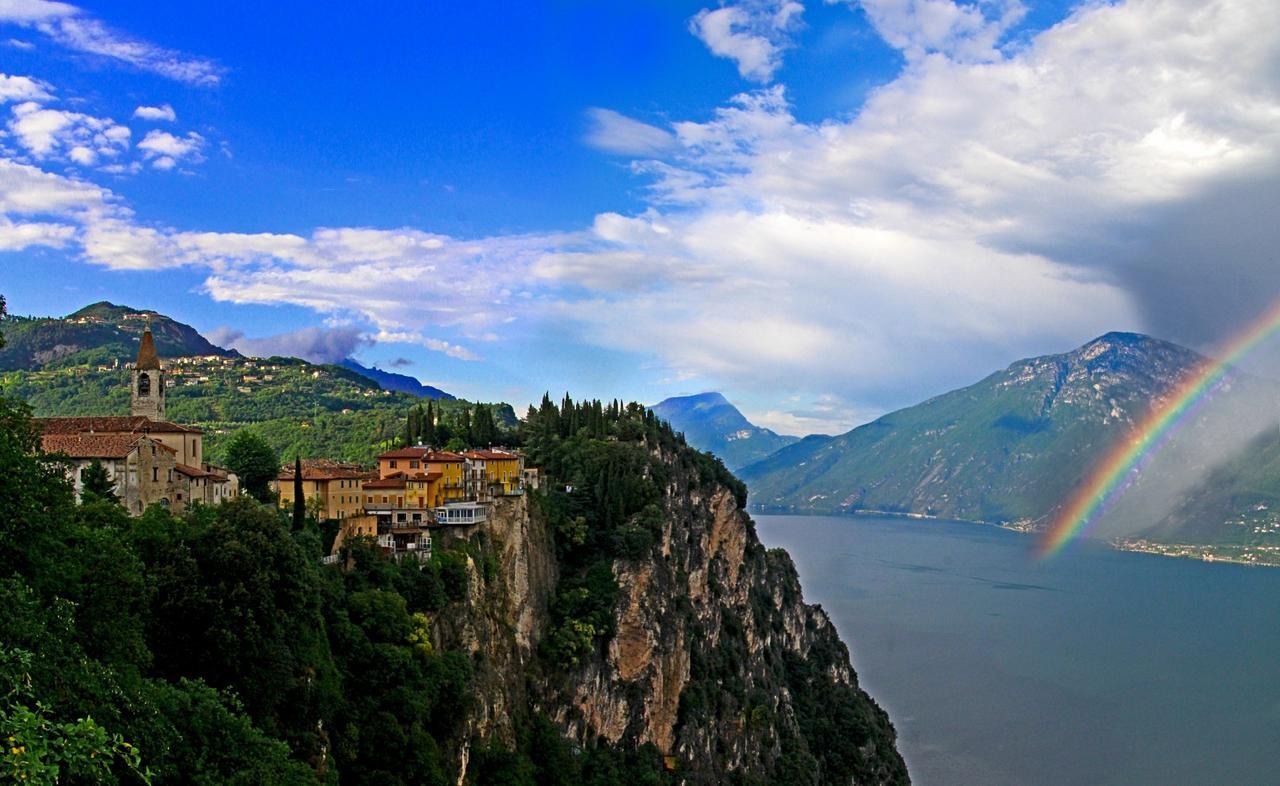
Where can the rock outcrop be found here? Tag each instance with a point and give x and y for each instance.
(714, 660)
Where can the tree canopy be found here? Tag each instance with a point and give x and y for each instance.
(254, 461)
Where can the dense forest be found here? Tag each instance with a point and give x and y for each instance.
(214, 648)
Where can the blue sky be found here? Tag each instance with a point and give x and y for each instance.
(824, 210)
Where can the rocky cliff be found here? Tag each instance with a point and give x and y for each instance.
(713, 659)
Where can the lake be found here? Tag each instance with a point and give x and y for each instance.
(1097, 667)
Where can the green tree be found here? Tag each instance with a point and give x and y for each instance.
(484, 431)
(39, 749)
(254, 462)
(464, 425)
(96, 483)
(429, 425)
(299, 504)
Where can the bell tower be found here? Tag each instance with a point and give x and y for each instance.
(147, 398)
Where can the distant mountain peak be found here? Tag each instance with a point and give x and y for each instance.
(711, 423)
(389, 380)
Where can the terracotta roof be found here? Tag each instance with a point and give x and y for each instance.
(114, 446)
(445, 456)
(192, 472)
(147, 357)
(111, 424)
(406, 453)
(491, 455)
(323, 469)
(385, 483)
(427, 476)
(217, 473)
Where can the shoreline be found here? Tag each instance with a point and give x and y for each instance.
(1249, 556)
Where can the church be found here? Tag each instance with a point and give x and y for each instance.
(151, 460)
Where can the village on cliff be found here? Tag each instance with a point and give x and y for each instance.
(152, 461)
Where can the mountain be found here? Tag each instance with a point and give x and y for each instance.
(1014, 447)
(712, 424)
(389, 380)
(99, 334)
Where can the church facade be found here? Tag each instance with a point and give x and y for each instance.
(151, 461)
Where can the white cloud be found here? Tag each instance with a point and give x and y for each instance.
(165, 151)
(962, 31)
(978, 208)
(752, 33)
(19, 236)
(28, 191)
(26, 11)
(164, 113)
(70, 27)
(616, 133)
(82, 138)
(986, 204)
(22, 88)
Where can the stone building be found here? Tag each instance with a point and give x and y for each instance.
(151, 460)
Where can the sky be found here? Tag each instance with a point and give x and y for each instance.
(825, 210)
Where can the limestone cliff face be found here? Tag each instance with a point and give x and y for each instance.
(715, 660)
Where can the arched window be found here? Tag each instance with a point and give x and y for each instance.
(144, 385)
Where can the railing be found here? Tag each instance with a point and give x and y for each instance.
(331, 559)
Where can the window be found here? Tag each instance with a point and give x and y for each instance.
(393, 463)
(155, 474)
(144, 385)
(413, 464)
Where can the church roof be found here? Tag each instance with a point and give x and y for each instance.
(100, 446)
(147, 357)
(111, 424)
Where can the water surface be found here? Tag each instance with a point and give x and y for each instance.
(1098, 667)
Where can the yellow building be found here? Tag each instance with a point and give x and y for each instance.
(337, 487)
(494, 472)
(424, 490)
(405, 461)
(453, 474)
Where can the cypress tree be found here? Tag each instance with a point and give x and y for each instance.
(299, 504)
(429, 425)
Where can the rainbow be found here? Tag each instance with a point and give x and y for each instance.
(1127, 458)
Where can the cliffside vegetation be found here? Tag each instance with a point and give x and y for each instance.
(214, 648)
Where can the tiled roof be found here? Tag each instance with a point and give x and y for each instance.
(385, 483)
(322, 469)
(113, 446)
(192, 472)
(445, 456)
(427, 476)
(112, 424)
(406, 453)
(490, 455)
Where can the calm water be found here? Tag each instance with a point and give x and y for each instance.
(1100, 667)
